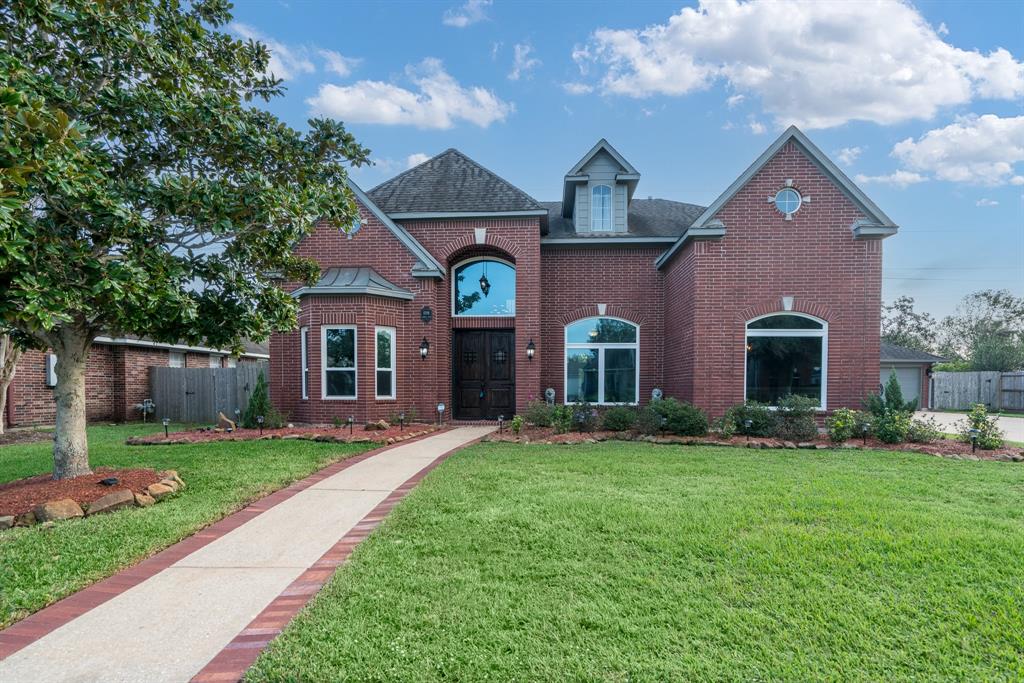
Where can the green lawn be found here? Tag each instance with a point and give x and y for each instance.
(620, 562)
(39, 566)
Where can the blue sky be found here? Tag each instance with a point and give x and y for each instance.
(921, 104)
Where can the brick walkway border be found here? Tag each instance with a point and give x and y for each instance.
(231, 663)
(35, 626)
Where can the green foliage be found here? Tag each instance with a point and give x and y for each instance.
(648, 420)
(892, 427)
(903, 326)
(682, 419)
(539, 413)
(725, 427)
(990, 436)
(618, 419)
(796, 418)
(891, 400)
(841, 425)
(986, 332)
(955, 365)
(763, 420)
(584, 417)
(517, 424)
(259, 404)
(924, 430)
(394, 417)
(561, 418)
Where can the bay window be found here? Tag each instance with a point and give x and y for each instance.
(338, 361)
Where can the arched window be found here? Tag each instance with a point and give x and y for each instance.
(484, 286)
(601, 208)
(787, 353)
(602, 361)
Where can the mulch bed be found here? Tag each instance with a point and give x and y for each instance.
(328, 433)
(27, 435)
(945, 448)
(23, 495)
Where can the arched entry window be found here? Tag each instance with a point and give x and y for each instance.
(602, 360)
(484, 287)
(787, 353)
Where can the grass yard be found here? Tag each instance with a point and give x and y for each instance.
(39, 566)
(620, 562)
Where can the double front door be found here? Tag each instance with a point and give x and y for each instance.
(483, 368)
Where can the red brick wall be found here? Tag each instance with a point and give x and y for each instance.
(762, 258)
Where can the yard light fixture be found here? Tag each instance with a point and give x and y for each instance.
(401, 421)
(531, 349)
(864, 429)
(440, 414)
(351, 424)
(501, 423)
(167, 421)
(259, 421)
(664, 423)
(424, 348)
(974, 438)
(747, 424)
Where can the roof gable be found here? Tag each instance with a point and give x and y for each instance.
(427, 265)
(602, 151)
(602, 145)
(450, 185)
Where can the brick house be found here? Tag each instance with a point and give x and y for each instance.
(117, 377)
(456, 287)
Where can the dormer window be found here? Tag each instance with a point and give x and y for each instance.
(601, 208)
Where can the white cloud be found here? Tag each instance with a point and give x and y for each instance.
(755, 126)
(814, 64)
(470, 12)
(285, 62)
(416, 159)
(734, 100)
(495, 49)
(522, 63)
(985, 201)
(439, 101)
(898, 179)
(577, 88)
(341, 65)
(977, 150)
(942, 30)
(848, 155)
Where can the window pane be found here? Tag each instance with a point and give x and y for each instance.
(601, 205)
(384, 382)
(581, 375)
(619, 375)
(496, 295)
(341, 348)
(601, 330)
(785, 322)
(341, 382)
(383, 348)
(779, 366)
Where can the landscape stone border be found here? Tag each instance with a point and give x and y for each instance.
(313, 435)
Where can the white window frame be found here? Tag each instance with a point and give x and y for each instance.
(515, 289)
(823, 333)
(172, 355)
(323, 363)
(232, 362)
(216, 358)
(600, 348)
(377, 367)
(304, 360)
(594, 218)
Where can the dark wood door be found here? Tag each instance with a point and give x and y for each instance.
(483, 368)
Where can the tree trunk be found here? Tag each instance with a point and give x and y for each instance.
(70, 442)
(10, 353)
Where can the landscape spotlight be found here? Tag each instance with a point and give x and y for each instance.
(259, 421)
(351, 424)
(167, 421)
(440, 414)
(974, 438)
(864, 429)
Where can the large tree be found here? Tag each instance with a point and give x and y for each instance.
(174, 202)
(986, 332)
(903, 326)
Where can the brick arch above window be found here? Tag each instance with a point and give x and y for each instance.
(494, 245)
(776, 305)
(611, 311)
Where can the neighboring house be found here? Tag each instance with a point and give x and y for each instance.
(117, 377)
(913, 368)
(459, 288)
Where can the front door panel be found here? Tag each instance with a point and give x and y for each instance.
(483, 373)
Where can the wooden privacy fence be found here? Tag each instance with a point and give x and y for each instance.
(961, 390)
(198, 394)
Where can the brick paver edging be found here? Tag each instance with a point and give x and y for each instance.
(33, 627)
(231, 663)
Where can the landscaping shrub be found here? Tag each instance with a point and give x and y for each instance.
(410, 416)
(648, 421)
(890, 401)
(924, 430)
(763, 420)
(538, 413)
(892, 427)
(584, 417)
(842, 425)
(725, 427)
(561, 418)
(681, 418)
(517, 424)
(618, 419)
(795, 418)
(259, 404)
(989, 435)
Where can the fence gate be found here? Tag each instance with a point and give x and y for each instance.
(196, 395)
(1012, 391)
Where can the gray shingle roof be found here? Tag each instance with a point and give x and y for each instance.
(647, 218)
(354, 281)
(891, 353)
(451, 182)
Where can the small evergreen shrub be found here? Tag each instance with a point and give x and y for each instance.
(763, 420)
(538, 413)
(618, 419)
(795, 418)
(842, 425)
(259, 404)
(924, 430)
(890, 401)
(648, 421)
(517, 424)
(892, 427)
(990, 436)
(561, 418)
(682, 419)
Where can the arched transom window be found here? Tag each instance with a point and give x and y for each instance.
(484, 287)
(787, 353)
(602, 361)
(601, 208)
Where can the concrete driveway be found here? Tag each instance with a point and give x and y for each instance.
(1013, 427)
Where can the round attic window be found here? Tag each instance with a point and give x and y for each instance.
(787, 201)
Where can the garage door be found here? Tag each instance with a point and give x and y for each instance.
(910, 381)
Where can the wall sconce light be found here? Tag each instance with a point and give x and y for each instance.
(531, 350)
(424, 348)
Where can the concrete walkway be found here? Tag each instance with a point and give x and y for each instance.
(1013, 427)
(168, 627)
